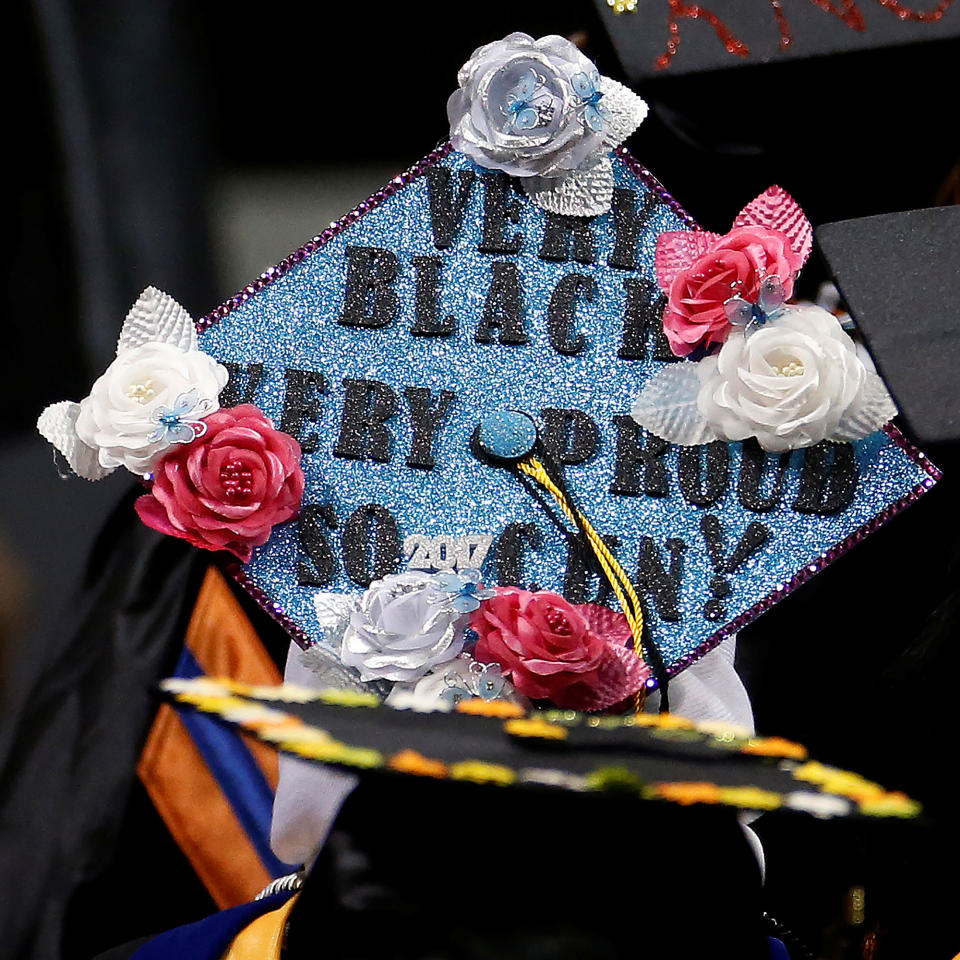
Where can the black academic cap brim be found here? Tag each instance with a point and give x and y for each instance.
(899, 274)
(654, 758)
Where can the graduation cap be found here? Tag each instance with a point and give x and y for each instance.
(514, 426)
(670, 38)
(897, 274)
(657, 758)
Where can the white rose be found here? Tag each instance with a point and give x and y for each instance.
(401, 628)
(789, 384)
(121, 414)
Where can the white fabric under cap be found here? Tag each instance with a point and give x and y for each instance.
(710, 689)
(309, 796)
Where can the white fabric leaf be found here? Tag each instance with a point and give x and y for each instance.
(157, 318)
(625, 111)
(873, 408)
(584, 192)
(57, 425)
(667, 406)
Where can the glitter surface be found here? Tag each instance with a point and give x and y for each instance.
(290, 320)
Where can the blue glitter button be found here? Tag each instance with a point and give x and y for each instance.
(507, 434)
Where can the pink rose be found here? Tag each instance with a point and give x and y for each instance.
(735, 264)
(575, 656)
(228, 488)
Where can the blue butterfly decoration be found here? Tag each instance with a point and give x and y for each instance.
(525, 108)
(485, 681)
(463, 591)
(181, 423)
(753, 316)
(594, 113)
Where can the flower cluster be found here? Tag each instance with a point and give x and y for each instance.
(539, 110)
(784, 374)
(221, 478)
(410, 628)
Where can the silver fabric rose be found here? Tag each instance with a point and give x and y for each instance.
(538, 109)
(401, 628)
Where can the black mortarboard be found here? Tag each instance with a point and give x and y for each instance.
(660, 758)
(898, 275)
(483, 830)
(663, 38)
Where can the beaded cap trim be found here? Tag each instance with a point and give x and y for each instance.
(822, 790)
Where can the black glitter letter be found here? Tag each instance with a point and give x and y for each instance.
(446, 210)
(753, 467)
(569, 436)
(369, 301)
(561, 309)
(366, 407)
(232, 394)
(562, 231)
(302, 402)
(752, 540)
(643, 316)
(699, 489)
(663, 585)
(427, 324)
(827, 483)
(508, 552)
(629, 222)
(584, 581)
(633, 455)
(498, 208)
(371, 544)
(425, 418)
(312, 523)
(503, 307)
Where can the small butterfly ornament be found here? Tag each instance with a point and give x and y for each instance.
(771, 298)
(462, 591)
(181, 423)
(483, 680)
(594, 112)
(528, 104)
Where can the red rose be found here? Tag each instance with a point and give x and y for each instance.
(735, 264)
(228, 488)
(574, 656)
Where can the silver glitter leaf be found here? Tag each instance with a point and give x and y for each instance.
(157, 318)
(667, 406)
(333, 613)
(873, 408)
(584, 192)
(57, 425)
(329, 672)
(624, 111)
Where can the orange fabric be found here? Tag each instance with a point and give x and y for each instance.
(224, 643)
(198, 815)
(185, 793)
(262, 939)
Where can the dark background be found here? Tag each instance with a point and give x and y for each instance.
(182, 144)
